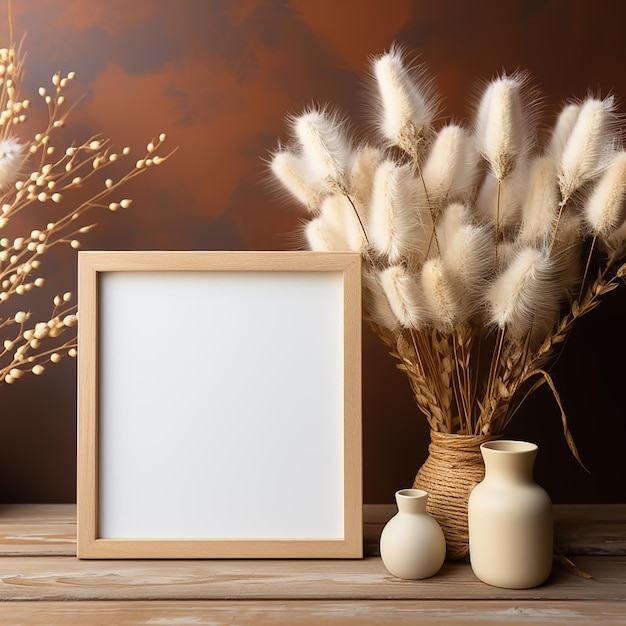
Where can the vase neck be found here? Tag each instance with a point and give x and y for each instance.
(411, 500)
(510, 461)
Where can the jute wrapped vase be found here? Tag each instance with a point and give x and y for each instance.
(453, 468)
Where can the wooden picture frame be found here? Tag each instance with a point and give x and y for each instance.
(219, 405)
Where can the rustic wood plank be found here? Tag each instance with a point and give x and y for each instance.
(591, 539)
(300, 613)
(50, 529)
(68, 579)
(579, 529)
(38, 529)
(590, 529)
(41, 581)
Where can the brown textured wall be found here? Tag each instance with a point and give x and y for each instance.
(218, 77)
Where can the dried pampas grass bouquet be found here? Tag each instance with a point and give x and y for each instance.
(481, 247)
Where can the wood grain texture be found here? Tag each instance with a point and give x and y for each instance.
(51, 528)
(42, 582)
(302, 613)
(38, 529)
(63, 579)
(580, 529)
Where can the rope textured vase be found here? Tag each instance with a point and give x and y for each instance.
(453, 468)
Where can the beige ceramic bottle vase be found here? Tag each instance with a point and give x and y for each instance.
(510, 519)
(412, 544)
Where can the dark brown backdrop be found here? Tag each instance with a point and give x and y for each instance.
(218, 77)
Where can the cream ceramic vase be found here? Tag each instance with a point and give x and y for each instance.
(510, 519)
(412, 544)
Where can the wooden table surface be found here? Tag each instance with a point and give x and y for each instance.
(42, 582)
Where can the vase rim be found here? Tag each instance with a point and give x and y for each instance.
(411, 493)
(509, 446)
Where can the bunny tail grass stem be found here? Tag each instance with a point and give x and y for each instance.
(463, 401)
(502, 420)
(431, 372)
(418, 351)
(557, 224)
(476, 381)
(421, 348)
(421, 351)
(347, 195)
(584, 278)
(497, 226)
(493, 367)
(433, 214)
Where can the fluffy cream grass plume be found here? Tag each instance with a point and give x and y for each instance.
(452, 166)
(364, 162)
(11, 153)
(407, 107)
(455, 216)
(567, 253)
(562, 130)
(540, 207)
(375, 302)
(588, 145)
(322, 236)
(393, 218)
(467, 252)
(325, 146)
(500, 202)
(605, 208)
(291, 171)
(337, 228)
(523, 291)
(616, 243)
(341, 216)
(442, 299)
(502, 124)
(404, 296)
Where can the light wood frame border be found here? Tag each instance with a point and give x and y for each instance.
(91, 265)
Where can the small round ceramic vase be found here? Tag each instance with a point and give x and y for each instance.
(510, 519)
(412, 544)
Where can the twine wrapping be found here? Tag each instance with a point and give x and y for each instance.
(453, 468)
